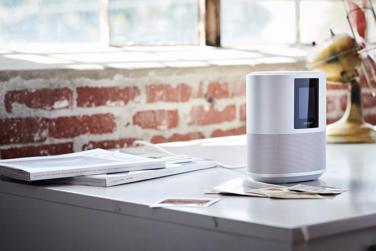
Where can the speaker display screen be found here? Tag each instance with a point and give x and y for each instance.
(306, 92)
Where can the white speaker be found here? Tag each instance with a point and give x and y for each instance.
(286, 121)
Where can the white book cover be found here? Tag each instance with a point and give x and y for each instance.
(97, 161)
(107, 180)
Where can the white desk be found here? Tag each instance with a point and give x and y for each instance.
(56, 217)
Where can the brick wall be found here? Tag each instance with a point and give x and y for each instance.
(337, 100)
(55, 112)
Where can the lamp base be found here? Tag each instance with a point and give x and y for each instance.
(344, 131)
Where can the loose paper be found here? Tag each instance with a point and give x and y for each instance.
(185, 202)
(246, 187)
(317, 189)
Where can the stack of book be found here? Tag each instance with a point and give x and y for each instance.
(98, 167)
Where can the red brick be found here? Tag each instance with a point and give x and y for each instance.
(201, 116)
(371, 119)
(186, 137)
(158, 139)
(229, 132)
(336, 86)
(343, 102)
(168, 93)
(243, 113)
(177, 137)
(156, 119)
(72, 126)
(368, 100)
(29, 151)
(23, 130)
(237, 89)
(200, 90)
(97, 96)
(363, 82)
(109, 144)
(331, 120)
(331, 104)
(218, 90)
(47, 99)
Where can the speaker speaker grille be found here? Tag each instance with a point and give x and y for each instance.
(286, 153)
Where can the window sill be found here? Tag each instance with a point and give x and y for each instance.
(92, 57)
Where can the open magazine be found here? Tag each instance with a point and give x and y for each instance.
(97, 161)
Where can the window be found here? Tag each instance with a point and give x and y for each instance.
(153, 22)
(313, 28)
(246, 22)
(145, 22)
(30, 21)
(172, 22)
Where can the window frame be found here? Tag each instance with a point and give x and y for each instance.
(208, 26)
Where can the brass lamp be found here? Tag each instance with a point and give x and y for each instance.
(344, 59)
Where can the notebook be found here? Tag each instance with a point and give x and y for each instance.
(97, 161)
(107, 180)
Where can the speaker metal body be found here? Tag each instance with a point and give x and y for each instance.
(286, 120)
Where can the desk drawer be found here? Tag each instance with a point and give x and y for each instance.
(363, 240)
